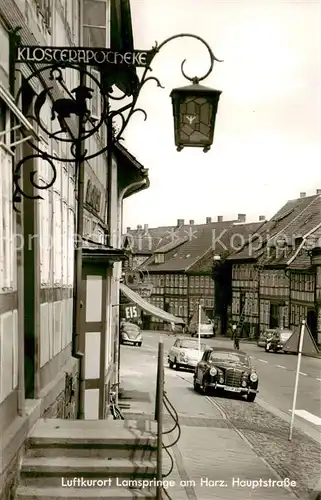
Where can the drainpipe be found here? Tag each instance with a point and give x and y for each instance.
(118, 276)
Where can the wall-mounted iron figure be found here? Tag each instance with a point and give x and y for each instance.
(78, 106)
(66, 107)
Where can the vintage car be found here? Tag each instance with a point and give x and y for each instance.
(185, 353)
(276, 339)
(225, 370)
(130, 333)
(206, 329)
(262, 337)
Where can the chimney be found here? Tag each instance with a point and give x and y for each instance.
(127, 229)
(241, 217)
(180, 222)
(139, 226)
(192, 222)
(261, 217)
(303, 195)
(145, 228)
(208, 220)
(318, 191)
(220, 218)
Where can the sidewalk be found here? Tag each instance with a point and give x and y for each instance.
(211, 460)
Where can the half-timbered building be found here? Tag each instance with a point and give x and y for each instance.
(273, 278)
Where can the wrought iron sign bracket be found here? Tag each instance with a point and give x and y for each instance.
(73, 110)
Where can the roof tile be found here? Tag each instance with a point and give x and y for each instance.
(295, 219)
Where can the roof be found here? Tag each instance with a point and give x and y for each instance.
(199, 241)
(233, 237)
(301, 259)
(145, 242)
(290, 224)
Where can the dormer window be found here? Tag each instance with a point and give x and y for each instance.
(159, 258)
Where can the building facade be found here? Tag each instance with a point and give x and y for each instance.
(39, 377)
(180, 265)
(274, 280)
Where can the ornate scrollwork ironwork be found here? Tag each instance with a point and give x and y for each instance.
(19, 192)
(131, 107)
(68, 105)
(136, 276)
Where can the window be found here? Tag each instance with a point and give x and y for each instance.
(45, 237)
(7, 253)
(65, 244)
(159, 258)
(95, 23)
(71, 229)
(4, 52)
(57, 238)
(3, 121)
(45, 9)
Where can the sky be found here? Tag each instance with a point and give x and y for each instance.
(267, 146)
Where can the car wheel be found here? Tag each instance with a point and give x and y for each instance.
(196, 385)
(139, 344)
(170, 363)
(251, 397)
(177, 365)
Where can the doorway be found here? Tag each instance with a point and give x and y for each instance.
(312, 323)
(274, 315)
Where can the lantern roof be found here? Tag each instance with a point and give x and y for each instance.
(193, 89)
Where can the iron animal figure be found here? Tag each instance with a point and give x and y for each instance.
(78, 106)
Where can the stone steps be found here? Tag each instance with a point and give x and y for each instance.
(117, 453)
(32, 493)
(53, 470)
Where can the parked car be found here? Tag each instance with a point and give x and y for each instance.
(262, 338)
(185, 354)
(276, 339)
(223, 369)
(130, 333)
(206, 329)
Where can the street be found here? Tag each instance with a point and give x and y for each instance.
(276, 381)
(263, 425)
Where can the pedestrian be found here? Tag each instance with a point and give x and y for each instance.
(173, 327)
(235, 337)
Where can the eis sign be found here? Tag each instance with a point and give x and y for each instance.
(82, 55)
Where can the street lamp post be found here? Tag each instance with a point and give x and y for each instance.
(194, 109)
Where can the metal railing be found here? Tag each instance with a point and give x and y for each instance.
(162, 401)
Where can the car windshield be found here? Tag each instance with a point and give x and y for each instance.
(190, 344)
(229, 357)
